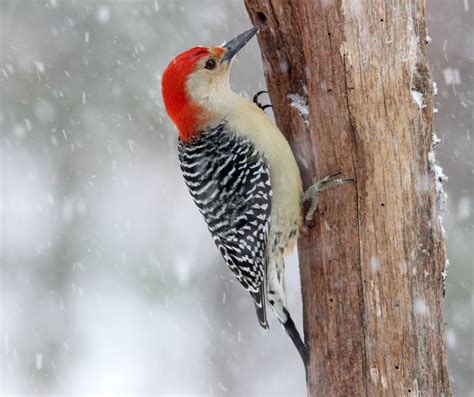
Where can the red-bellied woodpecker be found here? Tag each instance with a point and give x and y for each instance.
(240, 172)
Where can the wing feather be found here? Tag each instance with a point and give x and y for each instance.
(229, 181)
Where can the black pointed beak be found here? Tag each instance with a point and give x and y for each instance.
(234, 46)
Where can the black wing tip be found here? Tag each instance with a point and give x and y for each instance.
(263, 322)
(260, 307)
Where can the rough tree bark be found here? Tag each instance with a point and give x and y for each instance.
(351, 89)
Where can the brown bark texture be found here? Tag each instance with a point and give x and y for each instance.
(352, 92)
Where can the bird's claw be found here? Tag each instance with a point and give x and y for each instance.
(255, 97)
(312, 192)
(255, 100)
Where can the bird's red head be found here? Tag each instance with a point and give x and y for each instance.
(186, 113)
(192, 82)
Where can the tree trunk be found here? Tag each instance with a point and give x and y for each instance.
(351, 89)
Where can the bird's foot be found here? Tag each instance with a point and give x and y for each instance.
(255, 100)
(311, 194)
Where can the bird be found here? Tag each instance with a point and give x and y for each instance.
(241, 174)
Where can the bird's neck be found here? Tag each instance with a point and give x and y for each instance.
(206, 113)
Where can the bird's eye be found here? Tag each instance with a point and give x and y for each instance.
(210, 64)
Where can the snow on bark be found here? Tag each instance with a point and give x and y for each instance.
(300, 103)
(418, 98)
(440, 177)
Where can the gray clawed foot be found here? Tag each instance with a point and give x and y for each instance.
(312, 192)
(255, 100)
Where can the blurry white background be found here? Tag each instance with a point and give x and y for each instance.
(110, 282)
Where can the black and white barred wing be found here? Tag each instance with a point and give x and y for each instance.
(230, 183)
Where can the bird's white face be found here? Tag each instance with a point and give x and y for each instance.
(208, 85)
